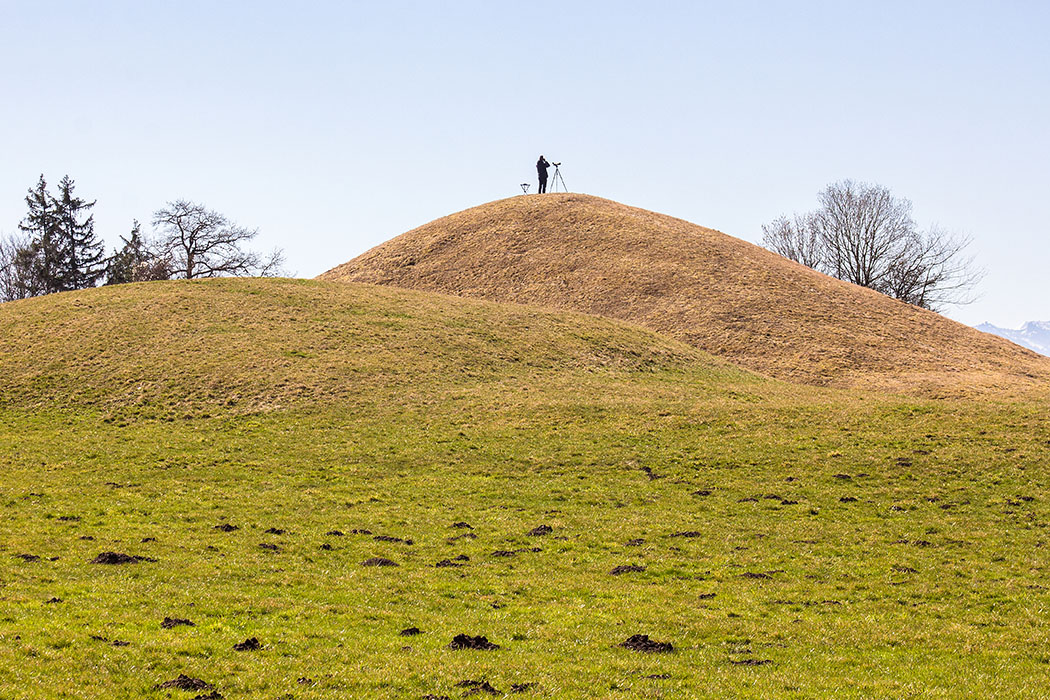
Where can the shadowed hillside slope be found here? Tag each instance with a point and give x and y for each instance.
(718, 293)
(257, 345)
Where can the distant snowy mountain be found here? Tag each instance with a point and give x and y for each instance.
(1034, 335)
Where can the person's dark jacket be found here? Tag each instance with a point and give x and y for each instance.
(541, 167)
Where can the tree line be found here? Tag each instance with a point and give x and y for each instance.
(57, 250)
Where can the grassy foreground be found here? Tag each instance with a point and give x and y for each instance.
(795, 542)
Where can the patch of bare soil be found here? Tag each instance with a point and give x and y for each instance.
(379, 561)
(119, 558)
(250, 644)
(464, 536)
(465, 641)
(184, 682)
(170, 622)
(112, 642)
(641, 642)
(515, 552)
(213, 695)
(653, 476)
(477, 687)
(626, 569)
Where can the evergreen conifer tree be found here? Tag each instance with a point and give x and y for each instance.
(43, 258)
(82, 264)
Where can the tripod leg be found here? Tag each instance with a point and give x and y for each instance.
(558, 176)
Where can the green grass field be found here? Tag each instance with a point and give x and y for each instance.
(796, 542)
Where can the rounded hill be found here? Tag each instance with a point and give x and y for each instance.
(256, 345)
(721, 294)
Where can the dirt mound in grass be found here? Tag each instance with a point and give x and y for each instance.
(713, 291)
(184, 682)
(119, 558)
(641, 642)
(466, 641)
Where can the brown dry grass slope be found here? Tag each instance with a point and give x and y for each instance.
(719, 293)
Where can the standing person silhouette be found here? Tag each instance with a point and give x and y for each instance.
(541, 170)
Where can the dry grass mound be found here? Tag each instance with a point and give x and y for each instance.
(718, 293)
(258, 345)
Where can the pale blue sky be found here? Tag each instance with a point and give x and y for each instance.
(332, 126)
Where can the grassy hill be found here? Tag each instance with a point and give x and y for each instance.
(253, 346)
(718, 293)
(254, 442)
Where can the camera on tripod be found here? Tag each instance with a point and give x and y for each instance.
(556, 178)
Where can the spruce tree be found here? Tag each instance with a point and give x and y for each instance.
(83, 262)
(121, 268)
(43, 257)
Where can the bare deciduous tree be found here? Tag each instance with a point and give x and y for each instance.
(795, 238)
(863, 234)
(933, 271)
(204, 243)
(18, 269)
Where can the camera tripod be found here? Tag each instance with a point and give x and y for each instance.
(557, 176)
